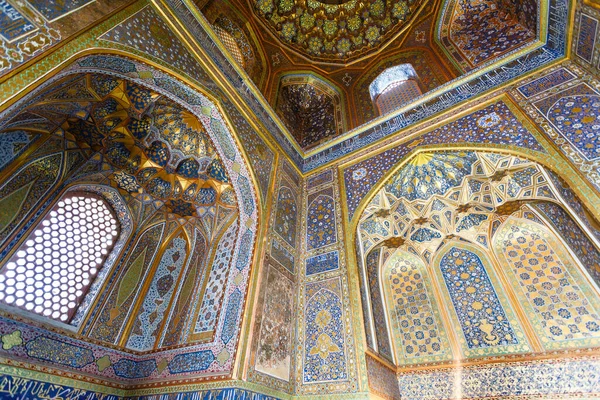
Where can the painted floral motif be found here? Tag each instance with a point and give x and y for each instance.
(482, 317)
(321, 230)
(324, 358)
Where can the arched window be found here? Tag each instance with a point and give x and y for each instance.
(54, 267)
(395, 87)
(230, 44)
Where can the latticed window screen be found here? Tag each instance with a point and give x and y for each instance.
(230, 44)
(396, 95)
(54, 267)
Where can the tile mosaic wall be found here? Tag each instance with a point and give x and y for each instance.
(546, 379)
(274, 333)
(573, 236)
(150, 317)
(564, 310)
(576, 143)
(415, 320)
(324, 352)
(382, 380)
(478, 305)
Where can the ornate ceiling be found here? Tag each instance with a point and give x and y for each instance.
(156, 147)
(442, 194)
(335, 30)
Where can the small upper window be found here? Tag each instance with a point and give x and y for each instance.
(231, 45)
(54, 267)
(395, 87)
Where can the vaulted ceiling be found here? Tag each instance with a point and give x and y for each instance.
(347, 44)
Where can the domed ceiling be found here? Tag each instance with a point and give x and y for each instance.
(334, 30)
(156, 147)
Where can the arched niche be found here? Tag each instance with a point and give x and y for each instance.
(480, 310)
(99, 118)
(311, 107)
(561, 301)
(445, 199)
(474, 34)
(417, 330)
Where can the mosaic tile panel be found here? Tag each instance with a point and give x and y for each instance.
(282, 255)
(17, 388)
(191, 362)
(382, 380)
(230, 318)
(13, 144)
(23, 35)
(25, 190)
(377, 308)
(182, 308)
(322, 263)
(158, 296)
(564, 311)
(273, 355)
(287, 215)
(325, 347)
(131, 369)
(52, 10)
(321, 229)
(577, 118)
(116, 306)
(574, 237)
(13, 24)
(261, 157)
(320, 179)
(573, 201)
(494, 124)
(291, 172)
(588, 28)
(158, 40)
(543, 379)
(221, 264)
(546, 82)
(416, 324)
(58, 352)
(482, 317)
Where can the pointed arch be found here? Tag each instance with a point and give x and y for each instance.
(154, 302)
(488, 324)
(106, 321)
(415, 322)
(564, 308)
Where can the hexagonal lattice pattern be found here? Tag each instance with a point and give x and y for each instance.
(53, 269)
